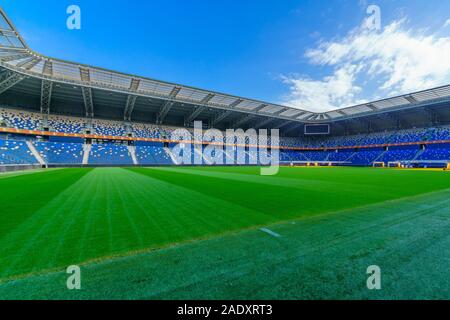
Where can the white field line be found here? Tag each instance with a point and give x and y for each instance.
(270, 232)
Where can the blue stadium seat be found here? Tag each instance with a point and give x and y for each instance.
(60, 153)
(105, 154)
(15, 152)
(148, 155)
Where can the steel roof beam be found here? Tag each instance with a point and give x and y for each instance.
(220, 117)
(48, 68)
(164, 111)
(235, 103)
(14, 57)
(264, 122)
(129, 107)
(173, 94)
(29, 64)
(208, 98)
(193, 115)
(9, 79)
(411, 99)
(46, 96)
(243, 120)
(88, 101)
(15, 49)
(85, 75)
(134, 86)
(372, 107)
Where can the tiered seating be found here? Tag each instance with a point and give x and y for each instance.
(141, 130)
(366, 157)
(108, 128)
(110, 154)
(15, 152)
(316, 155)
(436, 152)
(68, 153)
(32, 121)
(21, 119)
(66, 124)
(60, 153)
(148, 155)
(440, 134)
(341, 156)
(413, 135)
(399, 154)
(402, 136)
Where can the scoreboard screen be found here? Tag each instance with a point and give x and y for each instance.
(317, 129)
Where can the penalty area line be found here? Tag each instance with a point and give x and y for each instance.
(270, 232)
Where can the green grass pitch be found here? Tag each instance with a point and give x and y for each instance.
(194, 233)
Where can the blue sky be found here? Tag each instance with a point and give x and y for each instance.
(308, 54)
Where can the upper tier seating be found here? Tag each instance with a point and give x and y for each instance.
(21, 119)
(66, 124)
(108, 128)
(141, 130)
(15, 152)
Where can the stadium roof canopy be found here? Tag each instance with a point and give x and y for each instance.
(104, 93)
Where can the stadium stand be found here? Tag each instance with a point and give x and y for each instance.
(406, 153)
(360, 150)
(435, 152)
(15, 152)
(66, 124)
(408, 128)
(60, 153)
(141, 130)
(110, 154)
(149, 155)
(21, 119)
(108, 128)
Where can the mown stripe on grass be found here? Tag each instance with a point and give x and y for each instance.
(21, 196)
(111, 211)
(322, 257)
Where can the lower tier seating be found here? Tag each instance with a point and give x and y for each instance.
(60, 153)
(105, 154)
(15, 152)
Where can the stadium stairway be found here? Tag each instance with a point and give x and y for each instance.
(132, 151)
(36, 154)
(172, 157)
(87, 150)
(380, 156)
(418, 154)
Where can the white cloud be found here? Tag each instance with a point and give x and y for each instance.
(447, 23)
(395, 61)
(321, 95)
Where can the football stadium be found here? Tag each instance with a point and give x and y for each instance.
(89, 178)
